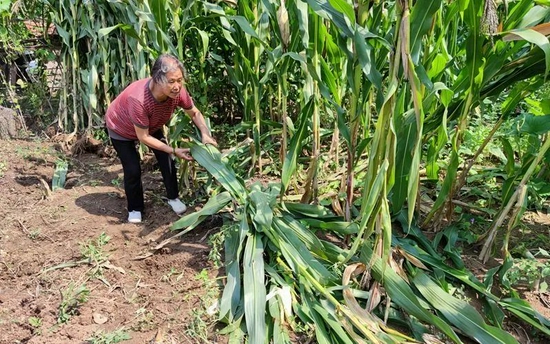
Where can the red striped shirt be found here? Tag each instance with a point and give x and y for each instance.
(137, 106)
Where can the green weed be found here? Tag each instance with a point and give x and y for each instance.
(117, 182)
(169, 274)
(34, 234)
(36, 324)
(530, 271)
(71, 300)
(101, 337)
(216, 242)
(200, 324)
(94, 182)
(144, 320)
(94, 250)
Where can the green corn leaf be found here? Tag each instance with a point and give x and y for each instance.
(236, 334)
(340, 227)
(296, 144)
(324, 9)
(368, 205)
(364, 52)
(158, 10)
(329, 79)
(493, 312)
(245, 25)
(539, 39)
(231, 296)
(406, 132)
(210, 158)
(214, 8)
(60, 175)
(254, 289)
(345, 8)
(401, 294)
(434, 260)
(296, 253)
(524, 311)
(64, 34)
(129, 30)
(308, 315)
(324, 313)
(535, 125)
(213, 206)
(205, 43)
(520, 308)
(448, 183)
(5, 6)
(309, 210)
(421, 20)
(263, 204)
(510, 156)
(459, 313)
(294, 228)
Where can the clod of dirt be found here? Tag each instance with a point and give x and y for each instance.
(99, 318)
(87, 144)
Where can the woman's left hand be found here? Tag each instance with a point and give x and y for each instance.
(207, 139)
(183, 153)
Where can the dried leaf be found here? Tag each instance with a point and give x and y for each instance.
(414, 261)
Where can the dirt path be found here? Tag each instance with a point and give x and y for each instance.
(107, 293)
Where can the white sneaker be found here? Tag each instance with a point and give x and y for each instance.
(134, 216)
(177, 206)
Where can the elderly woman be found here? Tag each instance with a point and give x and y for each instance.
(139, 113)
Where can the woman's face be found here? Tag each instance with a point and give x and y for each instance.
(173, 85)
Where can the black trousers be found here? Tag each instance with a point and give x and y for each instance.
(129, 158)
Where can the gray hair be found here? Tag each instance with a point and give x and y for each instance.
(166, 63)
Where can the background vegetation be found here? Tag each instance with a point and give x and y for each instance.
(376, 121)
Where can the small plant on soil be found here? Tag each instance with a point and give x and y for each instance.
(117, 182)
(36, 324)
(145, 320)
(94, 250)
(216, 242)
(530, 271)
(201, 323)
(95, 254)
(101, 337)
(173, 271)
(71, 300)
(34, 234)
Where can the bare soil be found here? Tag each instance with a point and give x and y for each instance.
(161, 299)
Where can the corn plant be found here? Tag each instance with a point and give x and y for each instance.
(281, 275)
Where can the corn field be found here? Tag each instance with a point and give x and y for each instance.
(352, 109)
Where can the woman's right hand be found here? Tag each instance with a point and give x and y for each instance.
(183, 153)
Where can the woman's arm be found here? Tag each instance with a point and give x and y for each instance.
(200, 123)
(152, 142)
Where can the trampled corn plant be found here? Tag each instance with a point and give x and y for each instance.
(282, 278)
